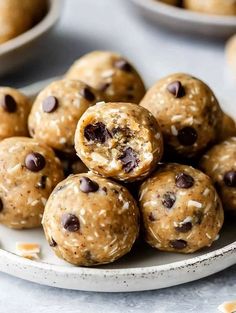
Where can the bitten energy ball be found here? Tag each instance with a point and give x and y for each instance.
(28, 173)
(14, 109)
(228, 128)
(218, 7)
(90, 220)
(181, 209)
(187, 111)
(119, 140)
(110, 73)
(56, 112)
(220, 164)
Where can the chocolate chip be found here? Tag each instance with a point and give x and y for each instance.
(151, 217)
(184, 227)
(87, 185)
(187, 136)
(50, 104)
(178, 244)
(169, 199)
(129, 159)
(230, 179)
(104, 189)
(87, 94)
(42, 183)
(35, 162)
(52, 243)
(96, 132)
(123, 65)
(1, 205)
(70, 222)
(8, 103)
(176, 89)
(183, 180)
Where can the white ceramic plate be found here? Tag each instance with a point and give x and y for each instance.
(186, 21)
(142, 269)
(18, 50)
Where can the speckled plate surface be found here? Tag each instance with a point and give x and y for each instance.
(143, 268)
(186, 21)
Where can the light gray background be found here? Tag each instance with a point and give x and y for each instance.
(113, 24)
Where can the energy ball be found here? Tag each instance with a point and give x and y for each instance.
(14, 108)
(228, 128)
(29, 171)
(119, 140)
(110, 73)
(220, 164)
(187, 111)
(181, 209)
(56, 112)
(215, 7)
(17, 16)
(90, 220)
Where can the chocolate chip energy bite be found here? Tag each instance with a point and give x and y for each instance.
(90, 220)
(187, 111)
(181, 209)
(56, 111)
(119, 140)
(29, 171)
(14, 108)
(110, 73)
(220, 164)
(218, 7)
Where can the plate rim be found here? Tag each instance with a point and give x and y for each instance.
(52, 16)
(147, 270)
(186, 15)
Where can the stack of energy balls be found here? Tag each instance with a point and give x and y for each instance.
(126, 156)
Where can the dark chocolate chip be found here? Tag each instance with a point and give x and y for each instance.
(42, 183)
(96, 132)
(176, 89)
(87, 185)
(1, 205)
(183, 180)
(8, 103)
(35, 162)
(184, 227)
(123, 65)
(70, 222)
(178, 244)
(87, 94)
(129, 159)
(52, 243)
(104, 189)
(50, 104)
(169, 199)
(187, 136)
(151, 217)
(230, 179)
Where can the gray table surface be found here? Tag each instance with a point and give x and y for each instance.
(113, 24)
